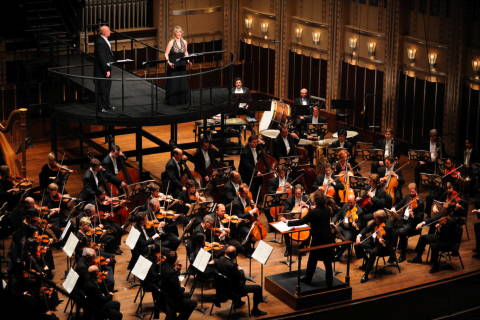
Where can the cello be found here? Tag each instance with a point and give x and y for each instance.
(391, 182)
(257, 230)
(302, 235)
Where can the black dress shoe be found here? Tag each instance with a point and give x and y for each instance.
(258, 313)
(364, 278)
(306, 280)
(434, 269)
(417, 259)
(391, 260)
(238, 305)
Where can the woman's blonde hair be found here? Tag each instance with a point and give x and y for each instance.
(175, 29)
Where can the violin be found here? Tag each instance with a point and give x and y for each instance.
(152, 224)
(165, 214)
(380, 231)
(101, 275)
(352, 217)
(101, 261)
(98, 231)
(58, 167)
(215, 246)
(233, 219)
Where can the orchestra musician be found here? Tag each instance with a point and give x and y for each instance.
(468, 158)
(451, 174)
(445, 237)
(375, 199)
(476, 228)
(437, 150)
(52, 171)
(301, 108)
(169, 230)
(241, 98)
(281, 181)
(387, 172)
(284, 145)
(173, 173)
(176, 299)
(244, 208)
(378, 241)
(205, 158)
(146, 242)
(108, 210)
(410, 211)
(94, 177)
(231, 187)
(114, 163)
(249, 157)
(342, 142)
(88, 235)
(347, 222)
(327, 183)
(390, 147)
(228, 266)
(297, 200)
(319, 220)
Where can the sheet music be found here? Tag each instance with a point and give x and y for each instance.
(132, 238)
(70, 281)
(283, 227)
(201, 260)
(262, 252)
(140, 270)
(70, 245)
(64, 233)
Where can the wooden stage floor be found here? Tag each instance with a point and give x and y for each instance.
(386, 282)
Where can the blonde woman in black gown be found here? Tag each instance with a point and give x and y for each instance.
(176, 88)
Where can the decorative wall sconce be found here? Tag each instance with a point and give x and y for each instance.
(411, 55)
(476, 65)
(248, 25)
(352, 43)
(432, 60)
(316, 37)
(264, 28)
(298, 34)
(371, 46)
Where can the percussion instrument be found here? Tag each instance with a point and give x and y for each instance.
(350, 134)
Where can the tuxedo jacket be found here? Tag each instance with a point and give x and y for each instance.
(173, 175)
(380, 144)
(199, 161)
(279, 148)
(247, 164)
(103, 55)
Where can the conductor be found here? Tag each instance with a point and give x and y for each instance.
(103, 56)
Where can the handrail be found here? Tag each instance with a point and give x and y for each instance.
(325, 246)
(141, 42)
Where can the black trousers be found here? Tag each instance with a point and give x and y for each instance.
(102, 93)
(403, 231)
(435, 246)
(111, 310)
(250, 288)
(184, 307)
(312, 265)
(476, 228)
(348, 234)
(371, 251)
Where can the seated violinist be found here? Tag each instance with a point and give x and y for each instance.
(386, 173)
(98, 237)
(56, 204)
(375, 199)
(89, 258)
(148, 240)
(327, 183)
(447, 236)
(451, 174)
(374, 240)
(205, 158)
(114, 163)
(202, 233)
(100, 303)
(347, 222)
(53, 172)
(285, 144)
(168, 224)
(410, 210)
(452, 202)
(154, 192)
(231, 187)
(108, 211)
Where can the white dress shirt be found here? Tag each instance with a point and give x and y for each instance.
(114, 161)
(206, 157)
(433, 151)
(287, 145)
(254, 153)
(94, 176)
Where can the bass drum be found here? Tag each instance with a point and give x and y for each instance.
(272, 120)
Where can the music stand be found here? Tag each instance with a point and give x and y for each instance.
(198, 207)
(220, 175)
(358, 183)
(364, 145)
(289, 163)
(317, 129)
(370, 154)
(419, 155)
(332, 153)
(428, 179)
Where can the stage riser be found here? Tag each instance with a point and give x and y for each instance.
(430, 302)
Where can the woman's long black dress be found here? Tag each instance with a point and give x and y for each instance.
(177, 88)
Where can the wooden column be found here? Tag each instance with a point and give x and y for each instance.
(392, 64)
(453, 85)
(160, 18)
(231, 26)
(335, 20)
(281, 47)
